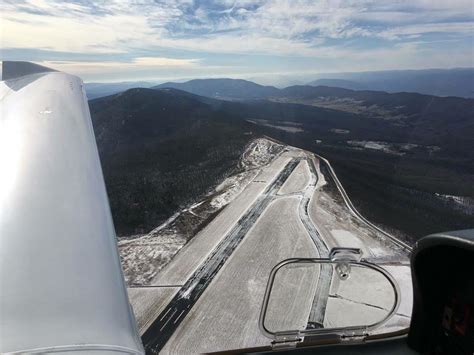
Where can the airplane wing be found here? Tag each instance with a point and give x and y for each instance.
(61, 282)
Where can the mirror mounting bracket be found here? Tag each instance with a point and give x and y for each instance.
(345, 254)
(343, 257)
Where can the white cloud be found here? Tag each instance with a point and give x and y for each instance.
(140, 63)
(279, 26)
(167, 62)
(336, 30)
(466, 28)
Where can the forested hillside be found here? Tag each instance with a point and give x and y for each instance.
(160, 150)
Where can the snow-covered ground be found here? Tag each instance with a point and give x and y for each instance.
(143, 256)
(390, 147)
(462, 203)
(366, 297)
(298, 180)
(340, 131)
(373, 145)
(197, 250)
(226, 314)
(292, 127)
(340, 228)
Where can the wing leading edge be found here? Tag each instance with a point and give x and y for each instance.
(61, 282)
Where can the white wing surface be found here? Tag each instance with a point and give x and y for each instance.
(61, 283)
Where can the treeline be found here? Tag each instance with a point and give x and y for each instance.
(398, 191)
(160, 152)
(144, 195)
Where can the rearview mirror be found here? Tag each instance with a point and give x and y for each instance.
(341, 294)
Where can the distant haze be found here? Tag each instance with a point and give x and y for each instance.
(454, 82)
(439, 82)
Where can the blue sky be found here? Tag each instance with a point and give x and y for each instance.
(267, 41)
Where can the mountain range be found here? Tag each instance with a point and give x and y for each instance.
(439, 82)
(96, 90)
(162, 148)
(399, 117)
(236, 89)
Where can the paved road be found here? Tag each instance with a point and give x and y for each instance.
(320, 300)
(170, 318)
(354, 210)
(318, 308)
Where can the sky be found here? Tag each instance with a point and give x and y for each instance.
(265, 40)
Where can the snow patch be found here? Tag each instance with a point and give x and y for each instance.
(231, 187)
(462, 203)
(376, 145)
(143, 256)
(340, 131)
(292, 127)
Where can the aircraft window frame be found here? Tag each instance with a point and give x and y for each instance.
(341, 256)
